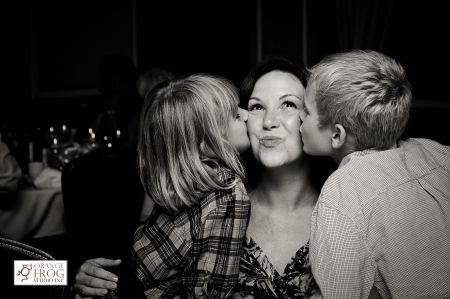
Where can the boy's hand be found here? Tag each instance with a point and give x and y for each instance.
(92, 280)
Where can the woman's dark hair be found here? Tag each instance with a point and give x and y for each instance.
(267, 65)
(321, 167)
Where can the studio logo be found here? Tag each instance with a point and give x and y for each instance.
(40, 273)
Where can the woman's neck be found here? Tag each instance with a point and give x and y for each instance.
(285, 188)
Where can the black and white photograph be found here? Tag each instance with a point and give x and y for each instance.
(225, 149)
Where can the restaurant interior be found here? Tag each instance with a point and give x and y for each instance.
(80, 196)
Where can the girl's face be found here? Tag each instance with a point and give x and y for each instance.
(237, 131)
(273, 121)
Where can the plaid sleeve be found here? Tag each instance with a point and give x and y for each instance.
(217, 247)
(340, 262)
(157, 257)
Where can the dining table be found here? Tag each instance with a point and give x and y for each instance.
(33, 213)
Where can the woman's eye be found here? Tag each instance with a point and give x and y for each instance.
(238, 116)
(289, 104)
(255, 107)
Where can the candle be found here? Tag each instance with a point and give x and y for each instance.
(44, 157)
(31, 149)
(118, 133)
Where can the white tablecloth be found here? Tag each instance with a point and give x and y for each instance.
(37, 213)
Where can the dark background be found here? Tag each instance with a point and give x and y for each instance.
(54, 48)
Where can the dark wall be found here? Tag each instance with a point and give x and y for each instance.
(217, 37)
(197, 36)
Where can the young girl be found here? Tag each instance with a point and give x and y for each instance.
(191, 133)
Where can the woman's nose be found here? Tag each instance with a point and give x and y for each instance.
(271, 120)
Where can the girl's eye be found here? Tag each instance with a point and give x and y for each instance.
(238, 116)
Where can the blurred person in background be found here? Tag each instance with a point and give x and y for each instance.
(114, 120)
(149, 79)
(10, 173)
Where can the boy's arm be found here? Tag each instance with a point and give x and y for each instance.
(220, 243)
(341, 263)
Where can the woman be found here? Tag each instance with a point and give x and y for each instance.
(283, 191)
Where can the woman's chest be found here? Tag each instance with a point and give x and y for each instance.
(280, 241)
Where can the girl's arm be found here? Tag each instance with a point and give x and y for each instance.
(218, 246)
(200, 258)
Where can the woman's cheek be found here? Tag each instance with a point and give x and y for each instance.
(291, 120)
(252, 123)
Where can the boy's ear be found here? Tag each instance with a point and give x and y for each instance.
(338, 137)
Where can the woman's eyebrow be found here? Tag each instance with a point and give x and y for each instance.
(254, 98)
(289, 95)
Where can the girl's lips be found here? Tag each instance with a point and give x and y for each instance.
(270, 142)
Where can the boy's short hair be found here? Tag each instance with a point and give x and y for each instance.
(366, 92)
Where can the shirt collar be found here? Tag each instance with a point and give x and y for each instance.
(356, 155)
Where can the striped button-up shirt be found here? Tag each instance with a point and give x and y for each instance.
(194, 253)
(381, 226)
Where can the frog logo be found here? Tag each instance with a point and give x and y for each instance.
(28, 270)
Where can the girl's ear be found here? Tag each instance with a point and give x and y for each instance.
(338, 137)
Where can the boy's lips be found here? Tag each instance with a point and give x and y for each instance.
(270, 141)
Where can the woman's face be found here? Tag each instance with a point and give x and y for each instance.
(273, 121)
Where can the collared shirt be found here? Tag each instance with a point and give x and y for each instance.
(194, 253)
(381, 226)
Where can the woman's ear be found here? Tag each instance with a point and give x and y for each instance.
(338, 137)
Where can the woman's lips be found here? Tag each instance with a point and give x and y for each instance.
(270, 141)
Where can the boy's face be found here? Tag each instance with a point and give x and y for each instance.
(316, 140)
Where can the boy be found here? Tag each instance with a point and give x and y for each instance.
(381, 226)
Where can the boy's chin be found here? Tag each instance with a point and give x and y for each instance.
(310, 152)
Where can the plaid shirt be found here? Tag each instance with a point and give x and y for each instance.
(194, 253)
(381, 226)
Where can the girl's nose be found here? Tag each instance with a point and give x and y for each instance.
(244, 114)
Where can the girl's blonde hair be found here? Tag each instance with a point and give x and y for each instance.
(183, 139)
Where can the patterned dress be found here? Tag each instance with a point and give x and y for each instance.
(259, 279)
